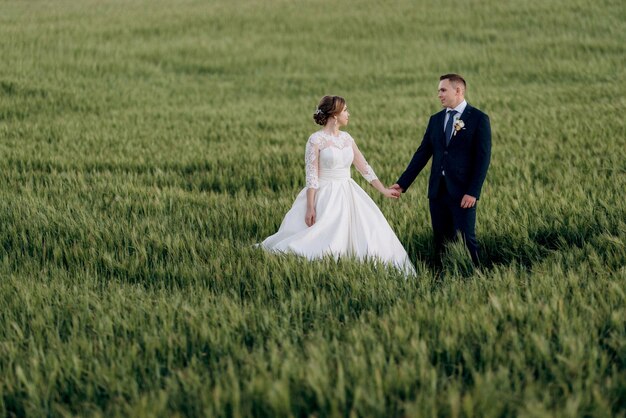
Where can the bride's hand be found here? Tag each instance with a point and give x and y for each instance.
(309, 218)
(391, 193)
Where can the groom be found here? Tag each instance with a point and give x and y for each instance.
(459, 140)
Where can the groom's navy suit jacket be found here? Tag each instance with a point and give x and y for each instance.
(464, 160)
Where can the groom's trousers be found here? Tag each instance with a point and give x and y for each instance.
(449, 218)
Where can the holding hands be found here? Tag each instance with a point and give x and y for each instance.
(391, 193)
(466, 203)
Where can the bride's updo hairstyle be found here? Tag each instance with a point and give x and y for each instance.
(329, 106)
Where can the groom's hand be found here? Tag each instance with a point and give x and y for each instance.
(397, 187)
(467, 201)
(391, 193)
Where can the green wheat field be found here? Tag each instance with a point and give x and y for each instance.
(146, 146)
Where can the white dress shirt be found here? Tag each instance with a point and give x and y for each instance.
(459, 111)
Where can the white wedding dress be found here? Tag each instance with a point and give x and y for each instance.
(348, 222)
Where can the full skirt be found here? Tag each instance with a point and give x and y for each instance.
(348, 223)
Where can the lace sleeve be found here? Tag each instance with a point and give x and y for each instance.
(361, 164)
(312, 162)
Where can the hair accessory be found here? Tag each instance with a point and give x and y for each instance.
(318, 111)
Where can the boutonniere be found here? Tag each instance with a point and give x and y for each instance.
(458, 125)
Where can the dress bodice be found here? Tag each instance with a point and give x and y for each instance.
(334, 158)
(329, 154)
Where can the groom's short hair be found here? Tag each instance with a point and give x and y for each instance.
(454, 79)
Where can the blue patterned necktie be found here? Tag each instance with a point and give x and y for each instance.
(448, 130)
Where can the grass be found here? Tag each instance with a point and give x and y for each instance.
(146, 146)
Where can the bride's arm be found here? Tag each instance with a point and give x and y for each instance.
(368, 173)
(312, 163)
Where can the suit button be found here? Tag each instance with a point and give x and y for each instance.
(445, 153)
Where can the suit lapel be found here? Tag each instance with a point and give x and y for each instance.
(440, 128)
(466, 112)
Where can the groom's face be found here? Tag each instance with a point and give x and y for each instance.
(449, 94)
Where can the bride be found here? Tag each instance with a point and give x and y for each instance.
(332, 215)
